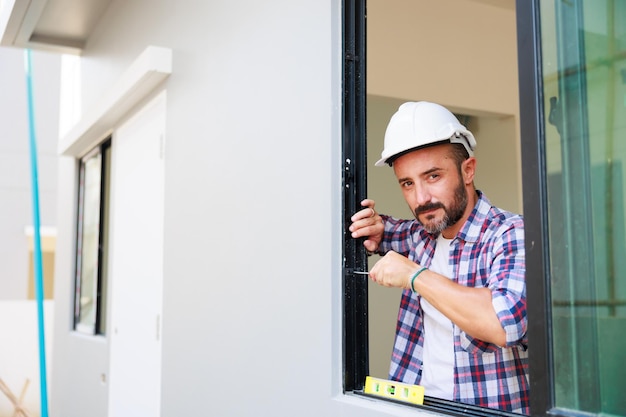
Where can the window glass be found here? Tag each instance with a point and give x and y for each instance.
(91, 250)
(584, 82)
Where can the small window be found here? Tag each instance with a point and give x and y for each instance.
(91, 249)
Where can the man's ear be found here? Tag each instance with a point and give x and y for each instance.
(468, 168)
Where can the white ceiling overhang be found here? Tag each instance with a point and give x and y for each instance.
(52, 25)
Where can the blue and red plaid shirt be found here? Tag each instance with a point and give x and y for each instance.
(487, 252)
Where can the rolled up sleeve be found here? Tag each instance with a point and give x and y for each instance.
(508, 284)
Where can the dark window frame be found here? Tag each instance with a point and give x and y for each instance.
(99, 327)
(534, 183)
(354, 159)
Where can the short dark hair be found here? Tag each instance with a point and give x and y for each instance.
(459, 154)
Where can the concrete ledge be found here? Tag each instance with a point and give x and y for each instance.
(149, 70)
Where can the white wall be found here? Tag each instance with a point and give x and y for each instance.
(19, 351)
(15, 166)
(252, 188)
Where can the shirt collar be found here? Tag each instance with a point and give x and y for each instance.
(470, 232)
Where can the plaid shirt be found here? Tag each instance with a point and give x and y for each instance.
(487, 252)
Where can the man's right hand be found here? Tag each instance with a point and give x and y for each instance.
(367, 223)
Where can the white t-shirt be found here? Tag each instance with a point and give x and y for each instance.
(438, 369)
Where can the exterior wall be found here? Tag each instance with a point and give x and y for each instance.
(15, 167)
(20, 350)
(252, 191)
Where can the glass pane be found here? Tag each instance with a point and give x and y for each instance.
(584, 76)
(88, 243)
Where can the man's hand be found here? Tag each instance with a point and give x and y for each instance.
(394, 270)
(367, 223)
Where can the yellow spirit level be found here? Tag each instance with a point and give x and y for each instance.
(413, 394)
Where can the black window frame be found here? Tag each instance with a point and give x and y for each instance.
(534, 184)
(99, 327)
(354, 158)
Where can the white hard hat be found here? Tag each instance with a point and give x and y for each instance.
(418, 124)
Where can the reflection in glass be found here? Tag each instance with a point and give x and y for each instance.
(584, 86)
(88, 243)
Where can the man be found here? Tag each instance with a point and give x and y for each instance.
(461, 330)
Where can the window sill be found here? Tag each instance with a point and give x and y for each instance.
(384, 407)
(431, 407)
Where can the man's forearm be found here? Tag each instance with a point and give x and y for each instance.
(467, 307)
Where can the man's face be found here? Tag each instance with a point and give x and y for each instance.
(433, 188)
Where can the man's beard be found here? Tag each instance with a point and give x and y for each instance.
(452, 214)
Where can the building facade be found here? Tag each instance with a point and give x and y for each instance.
(201, 267)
